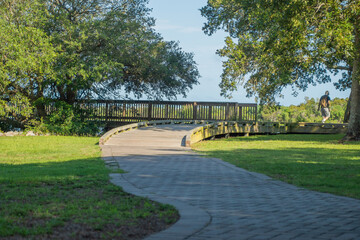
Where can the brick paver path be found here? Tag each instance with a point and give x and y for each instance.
(219, 201)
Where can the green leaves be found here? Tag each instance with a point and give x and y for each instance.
(25, 50)
(26, 57)
(107, 46)
(75, 49)
(280, 43)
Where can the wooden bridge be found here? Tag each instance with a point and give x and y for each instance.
(220, 118)
(118, 112)
(207, 130)
(217, 118)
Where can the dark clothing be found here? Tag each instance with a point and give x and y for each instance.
(324, 101)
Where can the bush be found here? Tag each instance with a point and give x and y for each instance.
(65, 120)
(15, 112)
(305, 112)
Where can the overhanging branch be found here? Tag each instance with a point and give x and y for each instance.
(339, 68)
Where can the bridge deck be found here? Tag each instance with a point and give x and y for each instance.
(208, 129)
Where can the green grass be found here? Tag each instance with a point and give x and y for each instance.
(58, 187)
(316, 162)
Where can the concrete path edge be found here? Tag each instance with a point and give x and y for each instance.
(192, 219)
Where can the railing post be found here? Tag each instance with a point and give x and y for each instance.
(149, 111)
(194, 111)
(210, 113)
(240, 113)
(166, 111)
(124, 110)
(106, 112)
(227, 112)
(236, 106)
(256, 113)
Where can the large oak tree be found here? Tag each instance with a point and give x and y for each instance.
(108, 45)
(76, 49)
(277, 43)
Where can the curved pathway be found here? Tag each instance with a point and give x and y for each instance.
(217, 200)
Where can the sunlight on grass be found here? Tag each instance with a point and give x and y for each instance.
(317, 162)
(21, 150)
(48, 184)
(311, 162)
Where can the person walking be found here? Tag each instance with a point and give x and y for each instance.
(324, 104)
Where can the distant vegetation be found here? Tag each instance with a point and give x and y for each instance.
(305, 112)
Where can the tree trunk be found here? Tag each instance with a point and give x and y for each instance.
(347, 111)
(60, 90)
(354, 121)
(40, 105)
(70, 95)
(40, 110)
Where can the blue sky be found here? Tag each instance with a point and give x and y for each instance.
(180, 20)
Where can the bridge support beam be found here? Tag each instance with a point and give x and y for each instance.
(246, 128)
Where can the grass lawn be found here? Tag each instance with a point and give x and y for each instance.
(316, 162)
(58, 187)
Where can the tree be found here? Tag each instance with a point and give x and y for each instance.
(76, 49)
(26, 57)
(292, 42)
(106, 46)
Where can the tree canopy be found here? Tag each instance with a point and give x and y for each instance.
(26, 56)
(274, 44)
(111, 45)
(75, 49)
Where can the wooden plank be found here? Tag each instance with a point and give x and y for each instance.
(227, 112)
(194, 111)
(149, 111)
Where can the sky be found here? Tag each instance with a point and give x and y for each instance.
(181, 21)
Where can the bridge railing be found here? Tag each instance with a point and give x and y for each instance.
(137, 111)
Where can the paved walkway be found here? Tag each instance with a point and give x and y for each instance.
(219, 201)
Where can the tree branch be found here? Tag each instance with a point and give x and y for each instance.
(339, 68)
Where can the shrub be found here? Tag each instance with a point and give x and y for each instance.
(65, 120)
(15, 112)
(305, 112)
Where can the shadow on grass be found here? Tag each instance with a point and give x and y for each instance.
(53, 171)
(73, 200)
